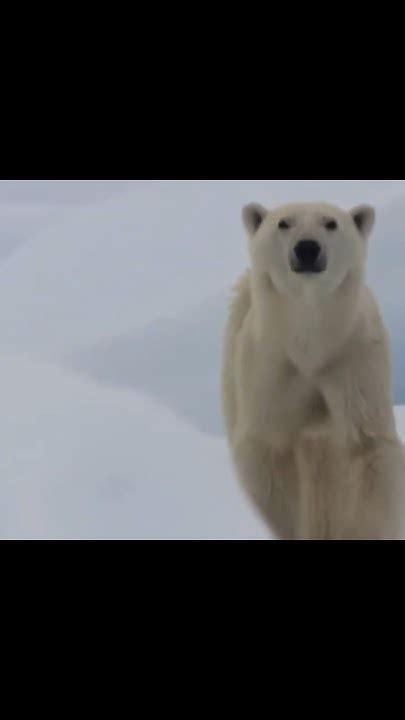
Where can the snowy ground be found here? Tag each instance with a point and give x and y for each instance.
(112, 301)
(82, 461)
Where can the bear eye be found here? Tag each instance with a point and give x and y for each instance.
(284, 225)
(331, 225)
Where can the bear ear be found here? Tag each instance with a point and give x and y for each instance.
(364, 219)
(253, 216)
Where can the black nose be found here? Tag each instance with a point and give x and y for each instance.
(307, 252)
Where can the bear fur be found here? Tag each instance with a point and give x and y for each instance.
(306, 380)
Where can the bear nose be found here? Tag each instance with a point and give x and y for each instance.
(307, 252)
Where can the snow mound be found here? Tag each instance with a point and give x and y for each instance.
(82, 462)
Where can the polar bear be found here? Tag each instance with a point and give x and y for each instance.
(306, 379)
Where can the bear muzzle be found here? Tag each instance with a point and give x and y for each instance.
(307, 257)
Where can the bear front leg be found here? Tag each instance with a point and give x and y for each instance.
(380, 503)
(268, 476)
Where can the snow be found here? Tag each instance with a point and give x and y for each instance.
(191, 347)
(80, 461)
(113, 267)
(112, 304)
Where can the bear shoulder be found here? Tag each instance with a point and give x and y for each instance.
(240, 303)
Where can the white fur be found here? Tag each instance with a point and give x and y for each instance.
(306, 383)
